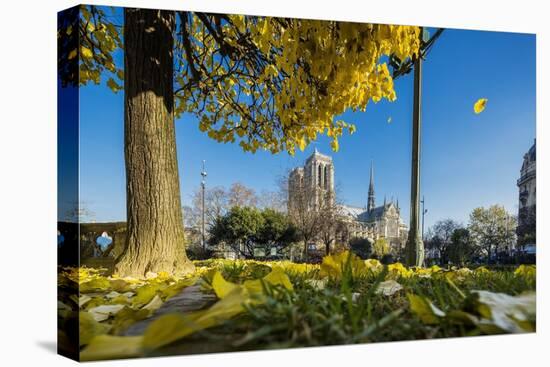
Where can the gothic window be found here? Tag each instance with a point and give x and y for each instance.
(319, 175)
(326, 178)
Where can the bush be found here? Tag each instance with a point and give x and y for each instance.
(361, 247)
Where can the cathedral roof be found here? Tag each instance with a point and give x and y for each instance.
(352, 211)
(374, 214)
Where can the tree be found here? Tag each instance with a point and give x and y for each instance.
(440, 237)
(215, 205)
(277, 231)
(272, 200)
(240, 195)
(303, 215)
(461, 249)
(252, 79)
(361, 247)
(330, 223)
(246, 228)
(380, 248)
(492, 229)
(238, 229)
(153, 215)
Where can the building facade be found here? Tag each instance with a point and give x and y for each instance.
(311, 185)
(527, 186)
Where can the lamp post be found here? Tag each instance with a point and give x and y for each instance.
(414, 250)
(203, 188)
(424, 211)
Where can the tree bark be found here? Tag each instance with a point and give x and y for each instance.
(155, 236)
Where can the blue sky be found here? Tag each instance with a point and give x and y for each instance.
(468, 160)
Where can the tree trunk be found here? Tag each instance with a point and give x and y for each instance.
(155, 237)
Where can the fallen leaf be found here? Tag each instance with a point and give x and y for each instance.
(424, 309)
(89, 328)
(512, 314)
(388, 287)
(317, 283)
(112, 347)
(221, 286)
(83, 299)
(171, 327)
(155, 303)
(101, 313)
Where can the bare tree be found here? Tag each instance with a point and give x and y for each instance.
(240, 195)
(330, 220)
(440, 237)
(272, 200)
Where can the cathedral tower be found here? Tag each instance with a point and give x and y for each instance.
(370, 203)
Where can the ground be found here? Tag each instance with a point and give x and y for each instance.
(231, 305)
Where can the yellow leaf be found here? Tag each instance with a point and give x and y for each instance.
(72, 54)
(302, 144)
(96, 284)
(145, 294)
(424, 309)
(113, 85)
(334, 145)
(221, 286)
(86, 52)
(172, 327)
(155, 303)
(126, 317)
(278, 277)
(89, 328)
(479, 106)
(335, 265)
(526, 271)
(112, 347)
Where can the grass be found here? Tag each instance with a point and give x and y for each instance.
(344, 300)
(349, 310)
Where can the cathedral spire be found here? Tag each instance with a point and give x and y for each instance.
(370, 203)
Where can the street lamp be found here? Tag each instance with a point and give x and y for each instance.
(414, 250)
(203, 188)
(424, 211)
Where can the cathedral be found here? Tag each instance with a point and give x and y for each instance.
(314, 183)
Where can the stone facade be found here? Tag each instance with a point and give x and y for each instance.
(315, 180)
(527, 185)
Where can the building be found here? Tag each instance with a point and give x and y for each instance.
(527, 185)
(312, 186)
